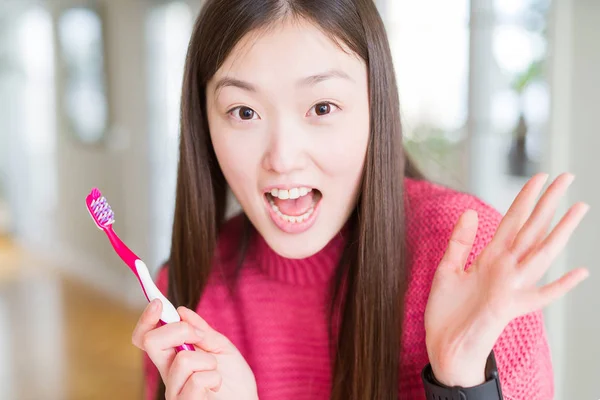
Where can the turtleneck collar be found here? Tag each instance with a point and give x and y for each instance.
(313, 270)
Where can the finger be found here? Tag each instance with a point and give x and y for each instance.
(519, 211)
(184, 365)
(545, 295)
(160, 343)
(211, 340)
(461, 242)
(536, 227)
(199, 384)
(147, 322)
(535, 265)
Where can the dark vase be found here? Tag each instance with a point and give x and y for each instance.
(519, 164)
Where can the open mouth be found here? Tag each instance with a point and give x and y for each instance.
(295, 205)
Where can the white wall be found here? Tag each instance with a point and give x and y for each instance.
(133, 169)
(119, 169)
(574, 145)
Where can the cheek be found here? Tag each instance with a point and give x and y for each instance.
(344, 153)
(237, 159)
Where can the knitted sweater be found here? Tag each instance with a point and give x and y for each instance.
(279, 319)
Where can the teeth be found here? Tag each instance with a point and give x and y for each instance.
(290, 218)
(292, 193)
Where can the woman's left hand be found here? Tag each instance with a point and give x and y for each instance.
(467, 310)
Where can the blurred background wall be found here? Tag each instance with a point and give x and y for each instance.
(492, 91)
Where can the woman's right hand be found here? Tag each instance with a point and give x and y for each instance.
(215, 371)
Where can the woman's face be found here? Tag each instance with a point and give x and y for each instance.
(288, 113)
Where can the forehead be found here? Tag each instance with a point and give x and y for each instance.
(287, 51)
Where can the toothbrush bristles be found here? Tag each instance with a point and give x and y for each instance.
(99, 208)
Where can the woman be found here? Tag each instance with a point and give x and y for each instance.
(346, 276)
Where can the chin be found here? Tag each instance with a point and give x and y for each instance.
(297, 246)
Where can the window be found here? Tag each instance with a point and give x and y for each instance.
(27, 118)
(169, 28)
(473, 98)
(429, 41)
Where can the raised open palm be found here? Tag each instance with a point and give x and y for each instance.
(467, 310)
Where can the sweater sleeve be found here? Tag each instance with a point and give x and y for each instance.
(151, 375)
(523, 359)
(522, 352)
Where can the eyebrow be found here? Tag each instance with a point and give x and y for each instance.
(332, 73)
(307, 81)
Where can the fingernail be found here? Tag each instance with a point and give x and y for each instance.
(154, 305)
(570, 178)
(199, 333)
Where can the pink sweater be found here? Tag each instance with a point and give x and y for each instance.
(279, 321)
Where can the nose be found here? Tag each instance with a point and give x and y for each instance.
(286, 150)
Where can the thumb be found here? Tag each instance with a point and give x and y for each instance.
(461, 242)
(210, 340)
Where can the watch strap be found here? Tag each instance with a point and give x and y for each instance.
(489, 390)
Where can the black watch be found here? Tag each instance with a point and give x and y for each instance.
(489, 390)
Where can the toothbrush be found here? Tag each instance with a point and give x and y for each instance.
(104, 217)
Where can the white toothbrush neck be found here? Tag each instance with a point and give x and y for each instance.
(169, 313)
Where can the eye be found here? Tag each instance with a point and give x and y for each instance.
(323, 108)
(244, 113)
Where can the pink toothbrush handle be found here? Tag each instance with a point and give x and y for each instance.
(184, 346)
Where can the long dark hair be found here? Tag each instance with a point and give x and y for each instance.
(366, 352)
